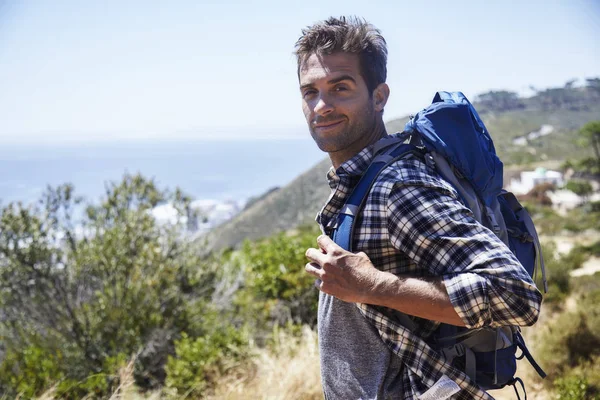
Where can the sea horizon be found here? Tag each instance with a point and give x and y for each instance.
(223, 170)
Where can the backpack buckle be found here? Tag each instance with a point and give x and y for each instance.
(429, 160)
(494, 223)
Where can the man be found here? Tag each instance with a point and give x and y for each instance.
(421, 251)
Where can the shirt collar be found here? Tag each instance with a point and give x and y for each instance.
(355, 166)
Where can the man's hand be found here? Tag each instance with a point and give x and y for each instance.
(350, 277)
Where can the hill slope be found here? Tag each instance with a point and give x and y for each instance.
(283, 209)
(506, 116)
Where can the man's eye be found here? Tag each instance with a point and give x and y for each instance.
(308, 93)
(341, 88)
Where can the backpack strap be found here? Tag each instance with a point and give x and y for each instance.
(517, 208)
(387, 150)
(521, 345)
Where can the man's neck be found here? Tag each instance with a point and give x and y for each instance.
(340, 157)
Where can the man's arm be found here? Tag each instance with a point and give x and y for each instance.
(486, 283)
(474, 271)
(352, 277)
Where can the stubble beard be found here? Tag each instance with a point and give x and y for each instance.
(346, 138)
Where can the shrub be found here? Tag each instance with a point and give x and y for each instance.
(579, 187)
(557, 271)
(539, 194)
(547, 221)
(568, 342)
(581, 382)
(594, 207)
(572, 387)
(277, 289)
(572, 339)
(200, 361)
(76, 301)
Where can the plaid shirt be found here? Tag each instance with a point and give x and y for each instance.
(414, 224)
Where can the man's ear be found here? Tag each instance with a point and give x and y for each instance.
(380, 96)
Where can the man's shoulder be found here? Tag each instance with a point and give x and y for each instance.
(411, 171)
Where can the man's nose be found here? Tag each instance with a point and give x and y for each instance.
(323, 106)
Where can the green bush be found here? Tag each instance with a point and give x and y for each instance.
(589, 165)
(579, 187)
(549, 222)
(557, 272)
(572, 339)
(581, 382)
(592, 249)
(582, 218)
(200, 361)
(75, 303)
(572, 387)
(587, 285)
(569, 341)
(30, 370)
(39, 367)
(593, 207)
(277, 289)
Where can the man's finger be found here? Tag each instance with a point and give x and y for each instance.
(315, 256)
(327, 244)
(313, 269)
(318, 284)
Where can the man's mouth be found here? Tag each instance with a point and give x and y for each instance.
(327, 125)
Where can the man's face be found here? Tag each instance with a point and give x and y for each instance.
(337, 105)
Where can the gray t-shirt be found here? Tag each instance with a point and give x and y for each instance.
(355, 362)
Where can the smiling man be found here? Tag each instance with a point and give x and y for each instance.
(421, 252)
(343, 111)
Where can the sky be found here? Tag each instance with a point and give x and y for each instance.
(80, 71)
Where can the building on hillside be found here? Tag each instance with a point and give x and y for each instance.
(202, 215)
(529, 179)
(544, 130)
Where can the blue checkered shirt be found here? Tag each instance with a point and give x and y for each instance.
(414, 224)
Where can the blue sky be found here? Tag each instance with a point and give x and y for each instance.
(77, 71)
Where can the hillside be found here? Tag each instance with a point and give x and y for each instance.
(279, 210)
(541, 128)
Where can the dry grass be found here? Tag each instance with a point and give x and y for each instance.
(291, 371)
(125, 391)
(126, 387)
(48, 394)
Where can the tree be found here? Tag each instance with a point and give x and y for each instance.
(580, 188)
(500, 101)
(593, 83)
(570, 84)
(83, 289)
(590, 134)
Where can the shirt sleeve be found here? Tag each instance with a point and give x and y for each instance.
(486, 283)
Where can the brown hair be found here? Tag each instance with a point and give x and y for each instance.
(348, 35)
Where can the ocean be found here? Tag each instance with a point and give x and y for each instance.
(222, 170)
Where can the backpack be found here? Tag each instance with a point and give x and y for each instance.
(451, 138)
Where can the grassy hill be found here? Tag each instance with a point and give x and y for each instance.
(506, 116)
(280, 210)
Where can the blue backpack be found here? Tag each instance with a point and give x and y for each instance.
(451, 137)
